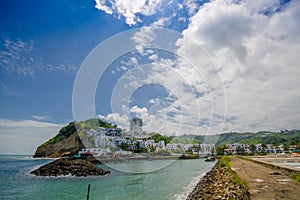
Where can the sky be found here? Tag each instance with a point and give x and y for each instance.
(183, 66)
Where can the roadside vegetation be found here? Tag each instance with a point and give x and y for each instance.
(296, 176)
(226, 162)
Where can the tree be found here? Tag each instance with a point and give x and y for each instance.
(285, 147)
(298, 146)
(263, 146)
(197, 148)
(293, 141)
(158, 137)
(240, 150)
(220, 149)
(138, 147)
(124, 146)
(252, 148)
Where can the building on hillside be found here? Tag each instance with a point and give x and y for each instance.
(207, 148)
(109, 131)
(232, 148)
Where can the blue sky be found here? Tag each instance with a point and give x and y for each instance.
(237, 63)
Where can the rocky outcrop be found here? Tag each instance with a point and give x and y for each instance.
(66, 147)
(218, 184)
(70, 166)
(188, 156)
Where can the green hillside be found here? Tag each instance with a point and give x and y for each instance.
(285, 137)
(266, 137)
(72, 127)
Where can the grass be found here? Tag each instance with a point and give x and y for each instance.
(296, 176)
(226, 162)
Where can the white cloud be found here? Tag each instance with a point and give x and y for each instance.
(24, 136)
(161, 22)
(128, 9)
(140, 112)
(143, 38)
(159, 13)
(40, 118)
(6, 91)
(20, 57)
(192, 6)
(254, 49)
(119, 119)
(100, 5)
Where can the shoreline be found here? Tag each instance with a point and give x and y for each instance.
(276, 162)
(218, 183)
(194, 182)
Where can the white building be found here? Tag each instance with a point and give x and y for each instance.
(231, 148)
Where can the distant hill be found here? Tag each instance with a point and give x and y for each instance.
(283, 137)
(70, 139)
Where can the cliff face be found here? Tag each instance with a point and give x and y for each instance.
(65, 147)
(70, 139)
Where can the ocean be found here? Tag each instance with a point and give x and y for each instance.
(174, 181)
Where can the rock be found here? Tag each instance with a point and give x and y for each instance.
(70, 166)
(275, 173)
(218, 184)
(188, 156)
(67, 147)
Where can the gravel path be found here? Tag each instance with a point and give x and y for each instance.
(265, 183)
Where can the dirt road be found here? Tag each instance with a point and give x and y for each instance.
(265, 183)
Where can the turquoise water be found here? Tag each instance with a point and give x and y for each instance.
(172, 182)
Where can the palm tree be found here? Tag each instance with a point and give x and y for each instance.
(285, 147)
(263, 146)
(240, 150)
(252, 148)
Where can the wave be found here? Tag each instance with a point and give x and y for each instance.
(195, 180)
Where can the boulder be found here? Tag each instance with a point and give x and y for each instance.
(70, 166)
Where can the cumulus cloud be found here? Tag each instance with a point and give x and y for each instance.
(142, 39)
(159, 13)
(250, 76)
(254, 49)
(128, 9)
(119, 119)
(23, 136)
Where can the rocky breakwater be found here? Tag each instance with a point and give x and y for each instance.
(219, 183)
(188, 156)
(71, 166)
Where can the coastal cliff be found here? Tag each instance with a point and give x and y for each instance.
(70, 139)
(66, 147)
